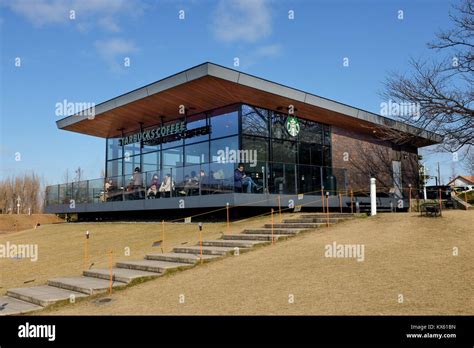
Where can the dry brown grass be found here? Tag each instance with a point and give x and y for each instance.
(404, 254)
(15, 223)
(61, 246)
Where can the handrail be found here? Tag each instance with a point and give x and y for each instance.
(263, 172)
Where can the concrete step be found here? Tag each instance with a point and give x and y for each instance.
(206, 250)
(314, 220)
(303, 225)
(85, 285)
(123, 275)
(178, 257)
(13, 306)
(263, 237)
(337, 215)
(43, 295)
(232, 243)
(290, 231)
(152, 265)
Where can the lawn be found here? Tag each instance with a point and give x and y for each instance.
(61, 246)
(405, 256)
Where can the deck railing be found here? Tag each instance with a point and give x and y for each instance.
(202, 179)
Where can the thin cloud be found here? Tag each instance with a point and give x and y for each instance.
(104, 14)
(114, 51)
(242, 20)
(269, 50)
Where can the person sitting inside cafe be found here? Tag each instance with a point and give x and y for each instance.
(109, 190)
(243, 182)
(191, 184)
(166, 186)
(153, 189)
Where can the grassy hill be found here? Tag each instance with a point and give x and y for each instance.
(14, 223)
(405, 254)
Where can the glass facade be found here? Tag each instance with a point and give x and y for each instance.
(273, 157)
(295, 163)
(168, 156)
(280, 156)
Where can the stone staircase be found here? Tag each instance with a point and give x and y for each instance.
(126, 273)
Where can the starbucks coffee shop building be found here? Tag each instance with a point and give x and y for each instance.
(191, 130)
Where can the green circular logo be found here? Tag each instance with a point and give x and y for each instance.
(292, 126)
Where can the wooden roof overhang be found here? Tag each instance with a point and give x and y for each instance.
(209, 86)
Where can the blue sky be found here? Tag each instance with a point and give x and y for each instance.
(81, 59)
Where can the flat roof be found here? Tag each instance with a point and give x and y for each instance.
(209, 86)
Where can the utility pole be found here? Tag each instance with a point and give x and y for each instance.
(424, 182)
(439, 176)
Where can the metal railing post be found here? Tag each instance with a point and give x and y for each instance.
(296, 179)
(321, 176)
(171, 182)
(200, 177)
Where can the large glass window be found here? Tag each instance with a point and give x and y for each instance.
(113, 149)
(255, 121)
(225, 124)
(284, 151)
(197, 153)
(114, 168)
(130, 163)
(151, 161)
(258, 147)
(278, 127)
(173, 158)
(196, 121)
(310, 132)
(225, 150)
(131, 150)
(264, 139)
(150, 148)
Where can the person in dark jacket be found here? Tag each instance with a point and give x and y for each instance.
(242, 181)
(137, 179)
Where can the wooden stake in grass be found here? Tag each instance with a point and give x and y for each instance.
(327, 208)
(352, 206)
(162, 235)
(340, 201)
(279, 209)
(409, 200)
(200, 239)
(86, 250)
(322, 196)
(228, 222)
(440, 201)
(111, 273)
(273, 239)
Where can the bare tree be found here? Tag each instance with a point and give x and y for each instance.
(79, 174)
(376, 160)
(443, 88)
(66, 176)
(23, 190)
(468, 164)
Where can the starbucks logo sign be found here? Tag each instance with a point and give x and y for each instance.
(292, 126)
